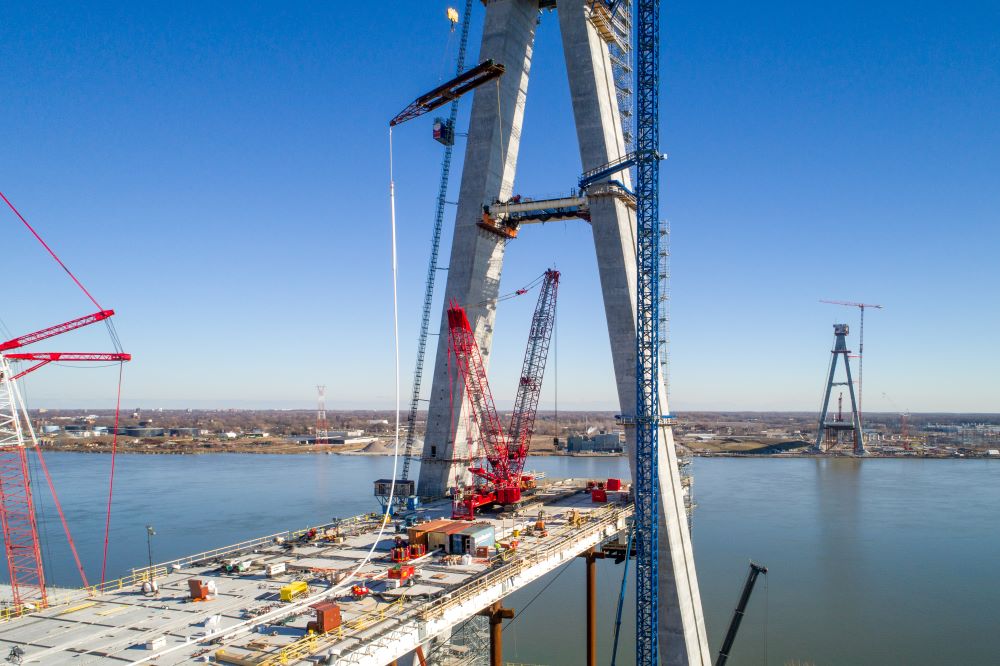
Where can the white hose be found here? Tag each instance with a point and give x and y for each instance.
(306, 602)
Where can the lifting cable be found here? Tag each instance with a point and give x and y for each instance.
(62, 516)
(535, 598)
(241, 626)
(49, 249)
(514, 294)
(111, 480)
(114, 444)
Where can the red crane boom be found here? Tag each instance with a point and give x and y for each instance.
(477, 390)
(529, 388)
(53, 331)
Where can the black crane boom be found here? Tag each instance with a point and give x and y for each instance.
(450, 91)
(741, 607)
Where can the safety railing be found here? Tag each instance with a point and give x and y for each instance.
(308, 645)
(593, 521)
(250, 544)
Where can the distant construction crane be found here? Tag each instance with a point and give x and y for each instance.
(503, 480)
(322, 426)
(904, 416)
(861, 347)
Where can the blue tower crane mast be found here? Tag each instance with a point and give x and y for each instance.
(432, 268)
(647, 399)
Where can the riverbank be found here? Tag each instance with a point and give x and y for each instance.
(383, 449)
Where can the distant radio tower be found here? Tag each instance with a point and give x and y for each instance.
(321, 423)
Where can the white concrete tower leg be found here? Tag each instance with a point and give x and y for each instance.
(476, 254)
(682, 638)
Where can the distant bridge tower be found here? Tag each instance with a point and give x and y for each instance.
(322, 426)
(831, 431)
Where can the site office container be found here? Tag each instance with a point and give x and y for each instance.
(440, 539)
(469, 540)
(418, 533)
(327, 617)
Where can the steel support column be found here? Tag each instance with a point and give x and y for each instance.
(497, 614)
(591, 559)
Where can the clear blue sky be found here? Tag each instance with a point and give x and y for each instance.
(218, 174)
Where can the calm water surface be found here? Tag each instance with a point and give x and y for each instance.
(871, 562)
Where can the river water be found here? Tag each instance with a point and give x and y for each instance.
(871, 561)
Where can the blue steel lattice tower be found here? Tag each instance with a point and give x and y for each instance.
(831, 431)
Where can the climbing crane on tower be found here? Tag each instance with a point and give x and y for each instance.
(505, 453)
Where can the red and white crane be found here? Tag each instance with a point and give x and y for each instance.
(17, 509)
(502, 479)
(17, 435)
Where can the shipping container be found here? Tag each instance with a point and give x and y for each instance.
(440, 539)
(472, 538)
(418, 533)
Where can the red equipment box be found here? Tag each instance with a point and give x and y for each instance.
(598, 495)
(402, 572)
(614, 484)
(199, 591)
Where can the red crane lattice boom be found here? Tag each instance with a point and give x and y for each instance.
(53, 331)
(529, 388)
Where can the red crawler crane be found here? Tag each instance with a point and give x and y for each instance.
(505, 454)
(17, 509)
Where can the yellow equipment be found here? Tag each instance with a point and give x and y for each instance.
(294, 589)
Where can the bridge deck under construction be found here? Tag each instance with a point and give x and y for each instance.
(246, 623)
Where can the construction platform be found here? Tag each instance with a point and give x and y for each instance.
(245, 620)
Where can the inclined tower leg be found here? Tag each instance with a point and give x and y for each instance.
(682, 637)
(476, 254)
(826, 403)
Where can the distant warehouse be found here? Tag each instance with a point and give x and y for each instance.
(605, 442)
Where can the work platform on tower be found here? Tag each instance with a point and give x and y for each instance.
(251, 618)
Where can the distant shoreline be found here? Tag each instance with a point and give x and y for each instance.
(271, 449)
